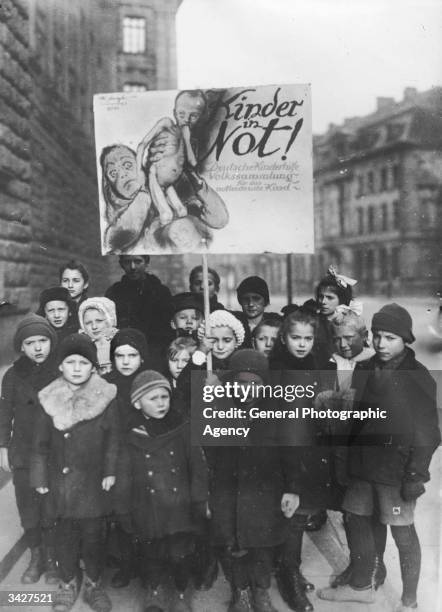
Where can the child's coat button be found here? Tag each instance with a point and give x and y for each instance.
(147, 456)
(150, 473)
(65, 470)
(171, 453)
(67, 435)
(174, 489)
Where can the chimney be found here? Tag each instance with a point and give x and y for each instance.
(410, 94)
(382, 102)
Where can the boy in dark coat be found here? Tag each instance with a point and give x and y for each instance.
(57, 306)
(73, 463)
(252, 492)
(32, 371)
(253, 296)
(142, 301)
(169, 490)
(389, 457)
(129, 355)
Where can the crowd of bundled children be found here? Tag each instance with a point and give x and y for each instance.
(95, 428)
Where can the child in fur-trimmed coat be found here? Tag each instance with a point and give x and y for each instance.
(73, 463)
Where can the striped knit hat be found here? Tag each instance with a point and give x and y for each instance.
(147, 381)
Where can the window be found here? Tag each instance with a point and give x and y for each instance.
(396, 214)
(134, 35)
(370, 182)
(383, 263)
(360, 221)
(134, 87)
(370, 219)
(360, 187)
(395, 264)
(370, 264)
(396, 176)
(384, 213)
(384, 179)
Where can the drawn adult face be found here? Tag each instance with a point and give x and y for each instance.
(120, 169)
(189, 110)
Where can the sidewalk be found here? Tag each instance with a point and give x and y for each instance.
(324, 554)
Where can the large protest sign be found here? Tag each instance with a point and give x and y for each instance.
(220, 170)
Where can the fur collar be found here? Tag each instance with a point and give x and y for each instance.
(67, 407)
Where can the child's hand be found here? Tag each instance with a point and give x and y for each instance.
(206, 344)
(42, 490)
(108, 482)
(212, 379)
(4, 461)
(289, 504)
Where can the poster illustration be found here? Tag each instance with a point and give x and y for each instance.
(222, 170)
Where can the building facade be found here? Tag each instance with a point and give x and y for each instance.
(378, 198)
(54, 56)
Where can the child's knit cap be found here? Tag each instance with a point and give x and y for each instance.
(103, 305)
(253, 284)
(132, 337)
(185, 300)
(221, 318)
(147, 381)
(395, 319)
(33, 325)
(249, 360)
(52, 294)
(77, 344)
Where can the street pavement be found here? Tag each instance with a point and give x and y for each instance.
(324, 552)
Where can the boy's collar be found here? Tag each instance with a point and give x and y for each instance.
(67, 407)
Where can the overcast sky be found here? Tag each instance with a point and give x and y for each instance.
(349, 50)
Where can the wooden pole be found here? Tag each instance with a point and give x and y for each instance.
(206, 306)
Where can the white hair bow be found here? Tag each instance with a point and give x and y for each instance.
(343, 281)
(355, 306)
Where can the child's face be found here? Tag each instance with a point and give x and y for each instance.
(299, 339)
(56, 312)
(36, 348)
(225, 341)
(265, 339)
(189, 110)
(76, 369)
(197, 285)
(154, 404)
(387, 345)
(187, 319)
(94, 323)
(348, 341)
(74, 282)
(328, 301)
(178, 363)
(127, 359)
(134, 266)
(252, 304)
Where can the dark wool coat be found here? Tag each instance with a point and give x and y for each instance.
(145, 305)
(246, 487)
(19, 406)
(401, 446)
(168, 480)
(312, 472)
(75, 446)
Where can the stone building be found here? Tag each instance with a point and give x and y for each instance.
(54, 55)
(378, 198)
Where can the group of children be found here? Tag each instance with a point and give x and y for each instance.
(95, 427)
